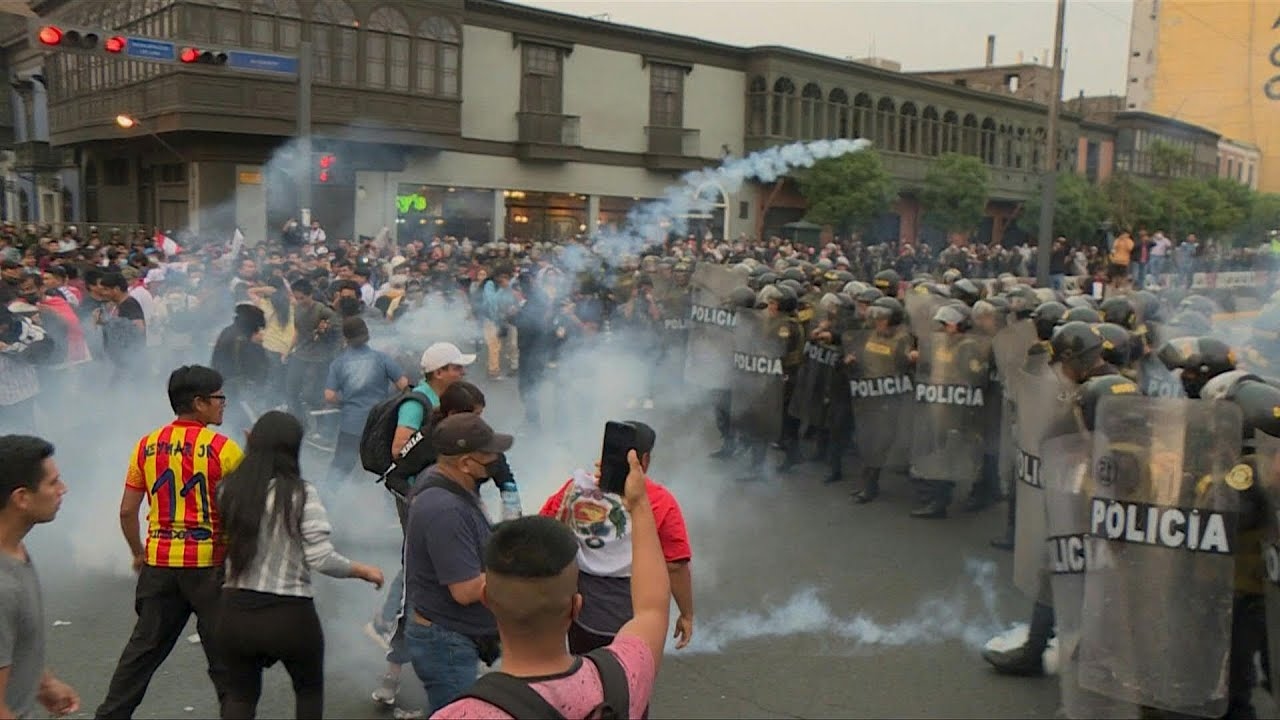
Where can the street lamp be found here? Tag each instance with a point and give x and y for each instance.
(128, 122)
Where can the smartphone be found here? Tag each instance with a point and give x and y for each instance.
(619, 439)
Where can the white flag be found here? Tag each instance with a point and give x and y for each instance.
(237, 242)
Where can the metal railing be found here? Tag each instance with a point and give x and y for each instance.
(672, 141)
(549, 128)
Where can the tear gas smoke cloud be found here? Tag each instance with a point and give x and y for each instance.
(958, 616)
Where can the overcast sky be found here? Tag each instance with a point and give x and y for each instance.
(920, 34)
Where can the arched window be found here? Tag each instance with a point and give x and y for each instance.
(782, 116)
(969, 139)
(438, 50)
(886, 124)
(758, 107)
(950, 132)
(333, 37)
(275, 25)
(987, 146)
(862, 110)
(810, 112)
(931, 131)
(386, 46)
(838, 123)
(909, 129)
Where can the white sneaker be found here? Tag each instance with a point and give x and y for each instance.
(385, 694)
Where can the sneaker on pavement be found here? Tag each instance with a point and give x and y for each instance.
(386, 692)
(406, 714)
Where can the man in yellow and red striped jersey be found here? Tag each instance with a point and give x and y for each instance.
(177, 469)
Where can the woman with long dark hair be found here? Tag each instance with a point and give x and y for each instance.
(277, 534)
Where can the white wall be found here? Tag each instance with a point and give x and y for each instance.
(1143, 35)
(490, 84)
(609, 90)
(714, 100)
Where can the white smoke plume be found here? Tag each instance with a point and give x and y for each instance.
(956, 616)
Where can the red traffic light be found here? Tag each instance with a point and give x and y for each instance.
(50, 35)
(326, 161)
(114, 44)
(324, 176)
(202, 57)
(189, 55)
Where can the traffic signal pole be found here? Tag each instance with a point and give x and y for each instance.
(304, 132)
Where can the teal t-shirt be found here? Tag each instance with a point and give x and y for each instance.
(411, 413)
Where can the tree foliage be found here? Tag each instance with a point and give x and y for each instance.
(849, 191)
(1131, 202)
(1167, 159)
(1079, 209)
(955, 192)
(1264, 216)
(1188, 205)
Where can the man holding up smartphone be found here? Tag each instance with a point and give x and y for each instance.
(530, 585)
(601, 523)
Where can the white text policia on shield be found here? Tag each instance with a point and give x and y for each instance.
(1170, 527)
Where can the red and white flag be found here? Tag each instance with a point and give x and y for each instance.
(166, 244)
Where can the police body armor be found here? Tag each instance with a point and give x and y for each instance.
(811, 399)
(1162, 525)
(1067, 479)
(951, 384)
(1044, 409)
(1267, 450)
(709, 348)
(883, 392)
(757, 379)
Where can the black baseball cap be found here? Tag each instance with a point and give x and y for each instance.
(467, 433)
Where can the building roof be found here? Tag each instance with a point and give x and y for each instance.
(1143, 116)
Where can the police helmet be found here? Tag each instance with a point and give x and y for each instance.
(682, 268)
(887, 281)
(1200, 304)
(870, 295)
(845, 276)
(768, 294)
(887, 307)
(1190, 322)
(1119, 310)
(795, 273)
(1047, 295)
(1147, 305)
(1221, 387)
(855, 288)
(796, 287)
(824, 265)
(1259, 403)
(951, 276)
(966, 291)
(1115, 344)
(991, 307)
(1199, 358)
(1023, 301)
(767, 278)
(1094, 389)
(1076, 342)
(1080, 300)
(1082, 314)
(742, 297)
(1046, 317)
(788, 300)
(830, 303)
(955, 313)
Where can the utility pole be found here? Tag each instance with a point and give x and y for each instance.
(304, 133)
(1049, 178)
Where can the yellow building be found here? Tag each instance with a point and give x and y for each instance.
(1213, 63)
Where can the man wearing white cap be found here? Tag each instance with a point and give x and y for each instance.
(443, 364)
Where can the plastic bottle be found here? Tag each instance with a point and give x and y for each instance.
(510, 493)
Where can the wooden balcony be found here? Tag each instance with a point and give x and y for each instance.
(672, 148)
(548, 136)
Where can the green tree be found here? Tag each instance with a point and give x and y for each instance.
(1079, 209)
(1167, 159)
(955, 192)
(849, 191)
(1131, 202)
(1264, 216)
(1193, 205)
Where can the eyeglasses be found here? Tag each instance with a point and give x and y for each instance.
(223, 398)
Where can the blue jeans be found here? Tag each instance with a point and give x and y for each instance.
(392, 615)
(445, 661)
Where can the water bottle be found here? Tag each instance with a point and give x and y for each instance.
(510, 500)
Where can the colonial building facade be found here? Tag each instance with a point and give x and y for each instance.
(475, 117)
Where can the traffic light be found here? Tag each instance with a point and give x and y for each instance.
(325, 168)
(53, 36)
(197, 56)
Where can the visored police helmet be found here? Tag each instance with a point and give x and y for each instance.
(1094, 389)
(1046, 317)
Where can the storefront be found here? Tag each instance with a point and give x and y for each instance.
(427, 211)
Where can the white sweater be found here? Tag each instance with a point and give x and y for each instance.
(283, 565)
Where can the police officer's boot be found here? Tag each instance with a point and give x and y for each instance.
(837, 470)
(870, 489)
(757, 451)
(727, 446)
(985, 489)
(1026, 660)
(935, 497)
(790, 444)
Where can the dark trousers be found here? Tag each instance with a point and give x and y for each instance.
(346, 456)
(1248, 638)
(720, 401)
(304, 380)
(790, 440)
(164, 601)
(257, 630)
(841, 432)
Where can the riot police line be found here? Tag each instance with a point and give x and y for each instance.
(1140, 455)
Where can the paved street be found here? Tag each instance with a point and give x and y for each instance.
(808, 605)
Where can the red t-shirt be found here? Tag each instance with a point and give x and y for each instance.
(600, 521)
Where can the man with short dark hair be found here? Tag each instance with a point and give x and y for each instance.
(447, 630)
(31, 491)
(178, 469)
(531, 583)
(359, 378)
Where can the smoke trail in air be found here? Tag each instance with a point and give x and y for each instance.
(956, 616)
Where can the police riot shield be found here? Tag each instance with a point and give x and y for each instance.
(1267, 451)
(1162, 531)
(882, 389)
(709, 349)
(756, 380)
(814, 383)
(1045, 408)
(920, 306)
(1066, 475)
(1009, 347)
(950, 394)
(1156, 380)
(674, 329)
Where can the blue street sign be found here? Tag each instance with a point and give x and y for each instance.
(150, 49)
(262, 62)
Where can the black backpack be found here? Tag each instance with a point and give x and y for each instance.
(380, 431)
(516, 698)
